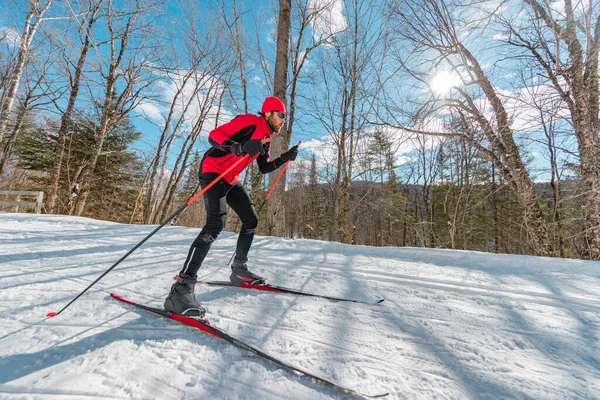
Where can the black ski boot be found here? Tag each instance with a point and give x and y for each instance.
(181, 299)
(241, 276)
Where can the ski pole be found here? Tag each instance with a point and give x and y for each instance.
(268, 194)
(176, 213)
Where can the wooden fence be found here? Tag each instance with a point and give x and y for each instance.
(18, 203)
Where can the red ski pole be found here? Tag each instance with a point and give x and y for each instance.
(176, 213)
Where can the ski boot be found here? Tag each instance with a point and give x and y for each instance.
(181, 299)
(241, 276)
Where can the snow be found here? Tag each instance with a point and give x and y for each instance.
(454, 325)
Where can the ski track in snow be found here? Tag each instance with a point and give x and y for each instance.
(454, 325)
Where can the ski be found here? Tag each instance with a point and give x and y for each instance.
(280, 289)
(205, 326)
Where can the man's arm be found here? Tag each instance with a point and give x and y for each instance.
(227, 136)
(265, 166)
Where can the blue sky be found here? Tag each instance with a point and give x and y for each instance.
(260, 22)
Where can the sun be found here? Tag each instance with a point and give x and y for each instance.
(443, 81)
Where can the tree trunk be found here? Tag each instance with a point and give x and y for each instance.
(116, 105)
(101, 134)
(10, 140)
(281, 141)
(582, 97)
(66, 117)
(29, 31)
(518, 175)
(495, 212)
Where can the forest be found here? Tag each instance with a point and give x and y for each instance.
(462, 124)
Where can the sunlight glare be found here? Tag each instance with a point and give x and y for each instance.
(443, 81)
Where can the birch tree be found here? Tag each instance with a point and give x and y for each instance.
(84, 20)
(197, 78)
(33, 19)
(127, 72)
(8, 59)
(39, 89)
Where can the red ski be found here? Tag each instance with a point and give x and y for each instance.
(204, 325)
(280, 289)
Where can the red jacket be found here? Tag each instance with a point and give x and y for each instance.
(241, 129)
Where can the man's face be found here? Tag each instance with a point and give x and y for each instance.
(275, 120)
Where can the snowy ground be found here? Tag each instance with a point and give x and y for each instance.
(455, 324)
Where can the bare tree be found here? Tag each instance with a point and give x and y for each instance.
(430, 27)
(8, 60)
(547, 36)
(174, 121)
(545, 110)
(206, 102)
(343, 100)
(232, 16)
(127, 73)
(34, 17)
(39, 90)
(197, 90)
(275, 210)
(84, 23)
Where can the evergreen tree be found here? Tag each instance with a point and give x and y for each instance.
(115, 177)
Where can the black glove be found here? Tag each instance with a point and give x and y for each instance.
(254, 147)
(236, 148)
(290, 155)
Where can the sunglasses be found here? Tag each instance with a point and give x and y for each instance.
(280, 114)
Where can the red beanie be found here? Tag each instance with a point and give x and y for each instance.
(272, 104)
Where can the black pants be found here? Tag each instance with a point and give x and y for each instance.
(216, 200)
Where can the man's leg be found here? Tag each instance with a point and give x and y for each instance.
(181, 299)
(216, 214)
(240, 202)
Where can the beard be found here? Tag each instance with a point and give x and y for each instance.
(272, 126)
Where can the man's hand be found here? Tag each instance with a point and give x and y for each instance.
(290, 155)
(254, 147)
(236, 148)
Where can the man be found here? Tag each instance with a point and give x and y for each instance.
(245, 134)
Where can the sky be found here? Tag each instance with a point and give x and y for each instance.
(261, 17)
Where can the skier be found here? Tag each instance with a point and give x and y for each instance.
(243, 135)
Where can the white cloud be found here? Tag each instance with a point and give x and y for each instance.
(271, 30)
(403, 146)
(330, 17)
(193, 91)
(557, 8)
(523, 106)
(324, 150)
(149, 110)
(10, 36)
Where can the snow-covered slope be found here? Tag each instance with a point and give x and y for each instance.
(455, 324)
